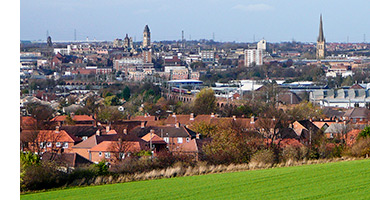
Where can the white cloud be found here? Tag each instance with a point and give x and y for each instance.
(253, 7)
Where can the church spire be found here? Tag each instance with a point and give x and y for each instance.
(320, 47)
(321, 32)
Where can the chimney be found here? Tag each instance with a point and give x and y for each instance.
(152, 131)
(98, 132)
(145, 115)
(142, 124)
(72, 115)
(119, 140)
(174, 115)
(197, 136)
(273, 119)
(177, 125)
(125, 131)
(310, 119)
(336, 120)
(252, 119)
(290, 126)
(213, 115)
(107, 129)
(192, 116)
(234, 117)
(57, 129)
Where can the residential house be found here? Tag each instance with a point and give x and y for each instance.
(48, 141)
(68, 160)
(79, 120)
(305, 129)
(357, 115)
(111, 150)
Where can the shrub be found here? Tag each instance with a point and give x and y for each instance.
(264, 156)
(361, 148)
(43, 176)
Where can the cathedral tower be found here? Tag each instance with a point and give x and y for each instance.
(320, 47)
(146, 37)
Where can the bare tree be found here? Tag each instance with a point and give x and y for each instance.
(120, 149)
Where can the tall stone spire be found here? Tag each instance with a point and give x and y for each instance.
(321, 37)
(320, 47)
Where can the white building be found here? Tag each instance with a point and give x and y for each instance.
(253, 56)
(262, 45)
(344, 98)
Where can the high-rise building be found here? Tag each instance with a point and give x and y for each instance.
(253, 56)
(320, 47)
(146, 37)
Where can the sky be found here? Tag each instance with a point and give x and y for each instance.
(227, 21)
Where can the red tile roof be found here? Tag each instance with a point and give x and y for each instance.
(75, 118)
(109, 146)
(155, 138)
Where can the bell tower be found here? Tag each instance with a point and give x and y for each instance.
(320, 47)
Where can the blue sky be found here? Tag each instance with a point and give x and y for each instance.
(232, 20)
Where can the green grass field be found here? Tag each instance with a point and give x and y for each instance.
(340, 180)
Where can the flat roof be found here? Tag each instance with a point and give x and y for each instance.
(185, 81)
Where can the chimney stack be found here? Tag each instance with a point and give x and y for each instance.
(191, 116)
(174, 115)
(252, 119)
(234, 117)
(177, 125)
(197, 136)
(98, 132)
(125, 131)
(57, 129)
(213, 115)
(107, 128)
(142, 124)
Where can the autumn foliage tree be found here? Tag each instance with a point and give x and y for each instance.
(205, 102)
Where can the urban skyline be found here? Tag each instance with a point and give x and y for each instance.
(238, 21)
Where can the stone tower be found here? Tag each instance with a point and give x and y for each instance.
(146, 37)
(320, 47)
(49, 43)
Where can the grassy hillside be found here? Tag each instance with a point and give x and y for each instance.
(341, 180)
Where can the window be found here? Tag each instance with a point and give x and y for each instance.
(58, 144)
(187, 139)
(100, 153)
(166, 139)
(84, 137)
(48, 144)
(179, 140)
(65, 145)
(331, 135)
(107, 154)
(122, 155)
